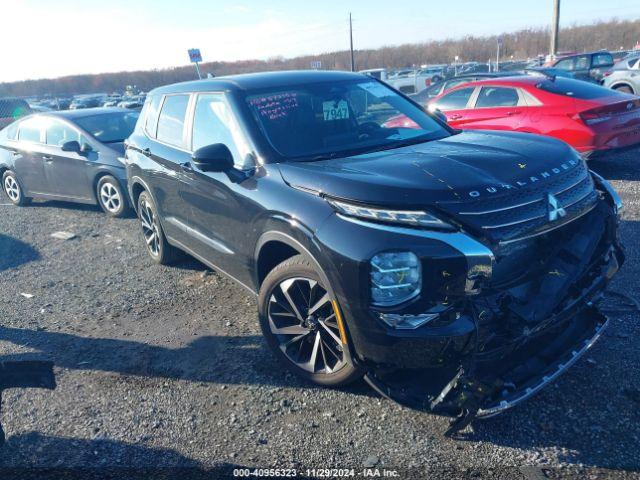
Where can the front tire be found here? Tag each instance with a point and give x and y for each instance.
(298, 320)
(13, 190)
(157, 245)
(110, 196)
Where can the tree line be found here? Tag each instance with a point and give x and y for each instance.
(523, 44)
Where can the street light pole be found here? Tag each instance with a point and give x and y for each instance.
(353, 61)
(555, 27)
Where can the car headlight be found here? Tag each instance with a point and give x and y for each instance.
(395, 278)
(407, 217)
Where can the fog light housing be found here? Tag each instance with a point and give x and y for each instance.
(395, 278)
(407, 322)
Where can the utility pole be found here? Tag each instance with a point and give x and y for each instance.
(353, 61)
(555, 26)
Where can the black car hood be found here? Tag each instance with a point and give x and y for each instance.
(464, 167)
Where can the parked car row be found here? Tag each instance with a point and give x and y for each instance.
(401, 251)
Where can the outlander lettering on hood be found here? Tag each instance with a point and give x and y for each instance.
(531, 179)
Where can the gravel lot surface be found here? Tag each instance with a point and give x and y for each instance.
(166, 367)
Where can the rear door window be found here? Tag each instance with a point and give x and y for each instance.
(171, 120)
(582, 63)
(497, 97)
(455, 100)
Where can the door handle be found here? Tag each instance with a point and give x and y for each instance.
(513, 112)
(47, 158)
(15, 154)
(146, 151)
(456, 116)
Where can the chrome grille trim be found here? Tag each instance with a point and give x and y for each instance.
(511, 224)
(554, 227)
(530, 219)
(486, 212)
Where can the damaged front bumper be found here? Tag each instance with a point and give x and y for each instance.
(507, 399)
(537, 330)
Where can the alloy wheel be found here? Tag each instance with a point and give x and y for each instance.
(110, 197)
(12, 188)
(150, 228)
(301, 316)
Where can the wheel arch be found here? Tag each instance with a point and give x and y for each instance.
(278, 241)
(136, 187)
(623, 83)
(274, 247)
(107, 173)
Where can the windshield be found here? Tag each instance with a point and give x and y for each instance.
(332, 119)
(110, 127)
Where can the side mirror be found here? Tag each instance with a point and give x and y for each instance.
(213, 158)
(438, 113)
(72, 146)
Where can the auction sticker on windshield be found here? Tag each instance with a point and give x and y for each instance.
(335, 110)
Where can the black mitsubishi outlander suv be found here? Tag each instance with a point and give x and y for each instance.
(457, 271)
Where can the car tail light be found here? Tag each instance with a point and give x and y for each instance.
(607, 73)
(427, 82)
(592, 118)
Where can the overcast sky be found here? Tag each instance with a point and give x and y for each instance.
(44, 38)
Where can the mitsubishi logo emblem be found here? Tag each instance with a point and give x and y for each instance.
(555, 211)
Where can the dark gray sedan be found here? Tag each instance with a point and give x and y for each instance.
(73, 156)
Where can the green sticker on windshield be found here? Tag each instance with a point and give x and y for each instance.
(335, 110)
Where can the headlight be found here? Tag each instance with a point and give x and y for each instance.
(408, 217)
(395, 278)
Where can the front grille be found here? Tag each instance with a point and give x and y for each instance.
(524, 212)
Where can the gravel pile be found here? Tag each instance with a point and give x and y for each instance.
(165, 367)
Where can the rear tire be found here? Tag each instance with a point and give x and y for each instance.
(13, 189)
(624, 89)
(157, 245)
(111, 197)
(299, 322)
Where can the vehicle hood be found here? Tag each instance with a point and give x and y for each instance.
(464, 167)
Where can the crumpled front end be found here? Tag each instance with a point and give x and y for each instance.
(530, 324)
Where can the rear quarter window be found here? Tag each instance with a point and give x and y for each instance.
(149, 116)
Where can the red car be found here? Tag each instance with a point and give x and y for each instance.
(588, 117)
